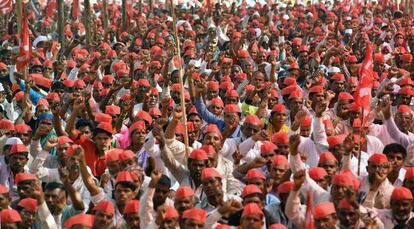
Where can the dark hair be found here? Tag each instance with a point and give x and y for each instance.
(395, 148)
(164, 180)
(96, 131)
(127, 184)
(55, 185)
(84, 122)
(58, 85)
(27, 182)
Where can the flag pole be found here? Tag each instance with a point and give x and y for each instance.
(61, 21)
(180, 77)
(360, 141)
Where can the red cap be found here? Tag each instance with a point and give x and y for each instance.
(232, 108)
(105, 206)
(323, 209)
(53, 96)
(327, 156)
(6, 124)
(343, 179)
(345, 96)
(404, 109)
(277, 226)
(409, 174)
(24, 177)
(351, 58)
(212, 128)
(293, 65)
(144, 116)
(217, 102)
(184, 192)
(10, 216)
(289, 89)
(306, 122)
(3, 189)
(280, 160)
(213, 85)
(19, 148)
(280, 137)
(124, 176)
(279, 108)
(338, 77)
(336, 140)
(344, 204)
(126, 154)
(106, 126)
(316, 89)
(112, 110)
(138, 125)
(379, 57)
(406, 57)
(113, 154)
(79, 83)
(101, 117)
(64, 139)
(210, 173)
(317, 173)
(285, 187)
(405, 81)
(80, 219)
(267, 147)
(406, 91)
(401, 193)
(170, 212)
(251, 189)
(199, 155)
(243, 54)
(378, 159)
(22, 128)
(108, 79)
(195, 214)
(28, 204)
(209, 149)
(253, 119)
(252, 209)
(255, 174)
(232, 93)
(296, 95)
(42, 102)
(222, 226)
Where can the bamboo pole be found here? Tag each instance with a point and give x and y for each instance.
(180, 77)
(61, 21)
(86, 21)
(124, 19)
(105, 15)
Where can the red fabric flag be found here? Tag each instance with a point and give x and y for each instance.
(51, 8)
(6, 6)
(366, 81)
(309, 224)
(75, 9)
(24, 44)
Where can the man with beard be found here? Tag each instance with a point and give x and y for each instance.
(401, 208)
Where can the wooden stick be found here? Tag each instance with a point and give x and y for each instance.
(86, 21)
(105, 15)
(124, 16)
(61, 20)
(180, 77)
(360, 141)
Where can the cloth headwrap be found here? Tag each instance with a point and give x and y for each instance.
(47, 116)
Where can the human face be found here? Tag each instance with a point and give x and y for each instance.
(190, 224)
(339, 192)
(396, 159)
(55, 200)
(331, 167)
(103, 219)
(113, 167)
(196, 120)
(327, 222)
(214, 140)
(103, 142)
(278, 118)
(17, 161)
(403, 121)
(404, 99)
(252, 221)
(184, 204)
(249, 129)
(401, 210)
(211, 94)
(132, 220)
(277, 172)
(283, 149)
(216, 110)
(377, 171)
(160, 195)
(212, 187)
(305, 131)
(138, 136)
(24, 136)
(123, 194)
(295, 104)
(4, 201)
(195, 168)
(86, 130)
(348, 218)
(28, 218)
(127, 163)
(169, 223)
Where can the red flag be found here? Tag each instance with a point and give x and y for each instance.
(75, 9)
(24, 44)
(366, 80)
(51, 8)
(309, 224)
(6, 6)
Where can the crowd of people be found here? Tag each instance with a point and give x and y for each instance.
(276, 115)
